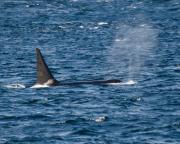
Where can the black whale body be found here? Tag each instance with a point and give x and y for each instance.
(44, 75)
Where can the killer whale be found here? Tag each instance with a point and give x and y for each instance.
(45, 77)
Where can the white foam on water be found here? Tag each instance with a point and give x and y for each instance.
(100, 119)
(102, 23)
(104, 0)
(62, 27)
(74, 0)
(15, 86)
(40, 86)
(119, 83)
(94, 28)
(130, 82)
(81, 26)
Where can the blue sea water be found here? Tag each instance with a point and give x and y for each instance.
(137, 41)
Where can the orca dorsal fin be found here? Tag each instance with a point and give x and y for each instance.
(44, 75)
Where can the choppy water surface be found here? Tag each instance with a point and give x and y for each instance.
(136, 41)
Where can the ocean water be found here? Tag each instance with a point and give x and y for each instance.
(137, 41)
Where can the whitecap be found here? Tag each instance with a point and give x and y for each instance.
(100, 119)
(93, 28)
(102, 23)
(62, 27)
(81, 27)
